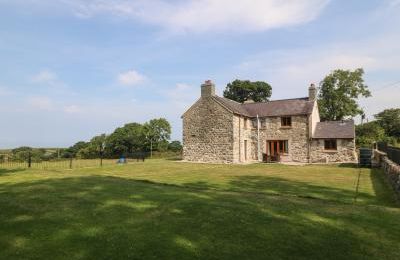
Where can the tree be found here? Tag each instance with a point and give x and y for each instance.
(157, 132)
(24, 153)
(175, 146)
(94, 149)
(242, 90)
(368, 133)
(126, 139)
(72, 151)
(339, 91)
(389, 119)
(131, 138)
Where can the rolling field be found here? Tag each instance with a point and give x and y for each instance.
(163, 209)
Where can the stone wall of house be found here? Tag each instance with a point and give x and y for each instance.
(297, 136)
(391, 170)
(242, 134)
(208, 133)
(346, 151)
(313, 119)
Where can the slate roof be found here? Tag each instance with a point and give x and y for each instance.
(232, 105)
(335, 129)
(285, 107)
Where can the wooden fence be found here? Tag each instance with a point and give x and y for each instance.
(393, 153)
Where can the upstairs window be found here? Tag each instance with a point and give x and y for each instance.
(330, 144)
(254, 123)
(245, 123)
(286, 121)
(261, 122)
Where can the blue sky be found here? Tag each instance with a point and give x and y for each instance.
(71, 69)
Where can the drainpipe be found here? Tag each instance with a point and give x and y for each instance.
(240, 140)
(258, 138)
(309, 138)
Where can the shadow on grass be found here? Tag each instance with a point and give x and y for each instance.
(348, 165)
(97, 217)
(278, 186)
(283, 187)
(8, 171)
(382, 188)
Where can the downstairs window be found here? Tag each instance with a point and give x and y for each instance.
(330, 144)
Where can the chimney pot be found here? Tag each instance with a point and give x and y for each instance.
(207, 89)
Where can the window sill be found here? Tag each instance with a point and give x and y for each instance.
(330, 151)
(285, 127)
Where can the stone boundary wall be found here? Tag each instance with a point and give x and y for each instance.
(391, 170)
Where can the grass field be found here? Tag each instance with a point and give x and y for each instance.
(171, 210)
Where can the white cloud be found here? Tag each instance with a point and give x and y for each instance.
(294, 69)
(382, 98)
(46, 77)
(5, 92)
(394, 3)
(131, 78)
(291, 71)
(50, 79)
(72, 109)
(205, 15)
(42, 103)
(181, 96)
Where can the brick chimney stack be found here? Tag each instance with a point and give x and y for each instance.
(207, 89)
(312, 92)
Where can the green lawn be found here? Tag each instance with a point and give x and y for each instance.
(172, 210)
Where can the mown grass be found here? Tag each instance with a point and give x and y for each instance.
(170, 210)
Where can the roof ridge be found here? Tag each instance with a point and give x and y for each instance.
(303, 98)
(230, 100)
(285, 99)
(269, 108)
(333, 121)
(269, 101)
(230, 104)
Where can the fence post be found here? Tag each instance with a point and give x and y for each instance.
(29, 160)
(70, 163)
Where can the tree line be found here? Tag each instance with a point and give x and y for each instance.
(385, 128)
(132, 138)
(128, 140)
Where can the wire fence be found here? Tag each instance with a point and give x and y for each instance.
(392, 152)
(63, 164)
(12, 162)
(67, 163)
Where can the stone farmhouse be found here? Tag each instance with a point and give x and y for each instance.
(220, 130)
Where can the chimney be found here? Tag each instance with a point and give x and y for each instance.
(312, 92)
(207, 89)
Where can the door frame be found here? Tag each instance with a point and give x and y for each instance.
(273, 148)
